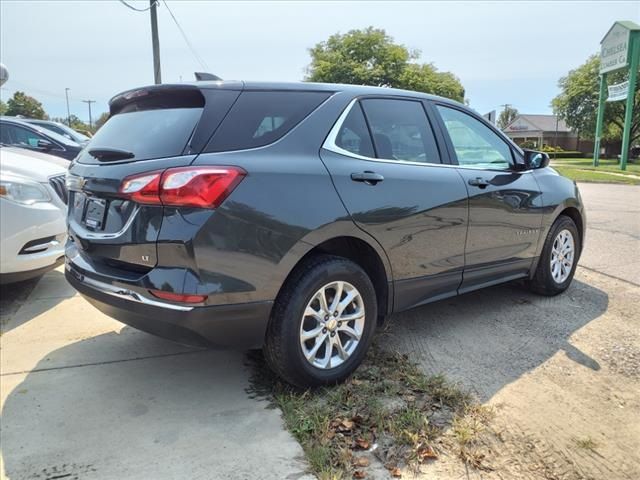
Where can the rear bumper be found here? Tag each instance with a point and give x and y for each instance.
(240, 326)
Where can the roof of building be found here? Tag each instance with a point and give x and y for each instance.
(543, 123)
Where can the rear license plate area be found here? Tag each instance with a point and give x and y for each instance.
(94, 213)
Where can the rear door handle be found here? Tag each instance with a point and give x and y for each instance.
(478, 182)
(370, 178)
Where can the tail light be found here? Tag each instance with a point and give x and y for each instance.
(203, 187)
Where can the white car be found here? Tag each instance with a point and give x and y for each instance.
(33, 209)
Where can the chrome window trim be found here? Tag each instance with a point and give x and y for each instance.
(330, 144)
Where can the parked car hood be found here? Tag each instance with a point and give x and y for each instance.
(36, 166)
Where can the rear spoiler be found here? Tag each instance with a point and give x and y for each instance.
(204, 76)
(170, 95)
(157, 96)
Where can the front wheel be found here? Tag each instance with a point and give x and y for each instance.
(559, 258)
(322, 322)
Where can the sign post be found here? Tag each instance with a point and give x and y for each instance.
(620, 48)
(599, 119)
(628, 109)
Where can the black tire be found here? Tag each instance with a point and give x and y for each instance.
(282, 349)
(543, 282)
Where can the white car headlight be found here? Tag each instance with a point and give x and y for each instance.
(22, 190)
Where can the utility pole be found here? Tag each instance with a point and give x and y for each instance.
(505, 106)
(66, 94)
(155, 41)
(504, 109)
(89, 102)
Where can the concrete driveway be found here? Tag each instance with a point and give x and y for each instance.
(613, 237)
(84, 397)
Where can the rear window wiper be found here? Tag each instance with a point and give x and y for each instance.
(110, 154)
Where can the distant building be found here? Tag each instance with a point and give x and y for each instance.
(539, 130)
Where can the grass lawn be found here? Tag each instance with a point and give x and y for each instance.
(582, 170)
(592, 175)
(606, 165)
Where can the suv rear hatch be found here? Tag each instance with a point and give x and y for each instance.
(149, 130)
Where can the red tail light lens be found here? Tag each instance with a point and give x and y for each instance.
(202, 187)
(178, 297)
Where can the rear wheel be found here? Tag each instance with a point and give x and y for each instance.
(322, 322)
(559, 258)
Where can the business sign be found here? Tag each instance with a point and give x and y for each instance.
(614, 51)
(618, 91)
(490, 117)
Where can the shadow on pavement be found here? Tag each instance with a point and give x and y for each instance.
(12, 296)
(489, 338)
(15, 295)
(174, 414)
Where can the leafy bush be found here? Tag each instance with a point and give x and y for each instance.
(549, 149)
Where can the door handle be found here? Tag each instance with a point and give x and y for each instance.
(479, 182)
(370, 178)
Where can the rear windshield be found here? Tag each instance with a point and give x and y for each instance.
(147, 133)
(261, 118)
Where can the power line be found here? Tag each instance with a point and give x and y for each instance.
(198, 58)
(137, 9)
(29, 89)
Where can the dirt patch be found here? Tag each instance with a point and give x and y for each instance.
(561, 375)
(387, 420)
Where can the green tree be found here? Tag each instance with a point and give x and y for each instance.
(22, 104)
(77, 124)
(100, 121)
(507, 116)
(577, 103)
(370, 57)
(3, 108)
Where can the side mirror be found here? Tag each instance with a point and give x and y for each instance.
(535, 159)
(44, 144)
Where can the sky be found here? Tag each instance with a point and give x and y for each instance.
(503, 52)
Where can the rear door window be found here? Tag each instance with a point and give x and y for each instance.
(401, 130)
(259, 118)
(354, 134)
(148, 134)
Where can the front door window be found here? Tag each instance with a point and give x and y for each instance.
(475, 144)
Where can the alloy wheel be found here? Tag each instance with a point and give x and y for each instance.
(562, 256)
(332, 325)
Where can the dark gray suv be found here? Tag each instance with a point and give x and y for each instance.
(296, 217)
